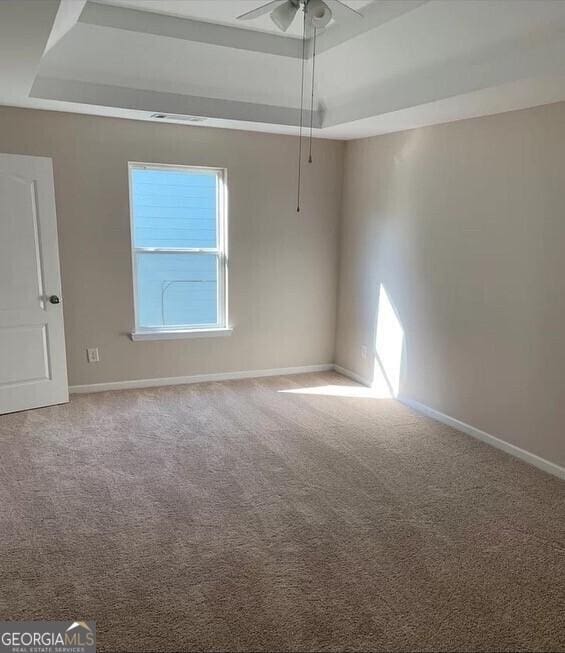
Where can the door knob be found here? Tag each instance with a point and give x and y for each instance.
(54, 299)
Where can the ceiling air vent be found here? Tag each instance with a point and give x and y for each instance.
(172, 116)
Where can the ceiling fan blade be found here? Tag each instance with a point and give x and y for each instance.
(283, 15)
(342, 11)
(261, 11)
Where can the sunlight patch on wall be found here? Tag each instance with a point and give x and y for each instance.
(389, 343)
(380, 386)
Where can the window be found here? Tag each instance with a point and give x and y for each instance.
(178, 216)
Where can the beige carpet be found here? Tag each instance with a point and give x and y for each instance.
(235, 517)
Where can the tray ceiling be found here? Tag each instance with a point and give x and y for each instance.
(408, 63)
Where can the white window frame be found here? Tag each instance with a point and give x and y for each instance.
(221, 328)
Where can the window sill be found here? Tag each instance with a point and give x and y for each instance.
(181, 334)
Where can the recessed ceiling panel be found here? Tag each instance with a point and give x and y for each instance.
(142, 61)
(224, 12)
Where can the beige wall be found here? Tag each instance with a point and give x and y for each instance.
(464, 225)
(283, 265)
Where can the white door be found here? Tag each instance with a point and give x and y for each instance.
(33, 369)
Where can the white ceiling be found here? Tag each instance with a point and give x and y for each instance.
(223, 12)
(407, 63)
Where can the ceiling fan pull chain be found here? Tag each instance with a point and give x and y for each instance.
(312, 96)
(301, 112)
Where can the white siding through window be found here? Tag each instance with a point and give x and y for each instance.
(178, 236)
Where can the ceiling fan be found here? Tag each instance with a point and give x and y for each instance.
(317, 12)
(317, 15)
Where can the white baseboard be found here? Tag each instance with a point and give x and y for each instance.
(196, 378)
(513, 450)
(352, 375)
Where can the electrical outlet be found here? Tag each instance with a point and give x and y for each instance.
(364, 352)
(92, 355)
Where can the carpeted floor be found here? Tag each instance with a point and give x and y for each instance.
(235, 517)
